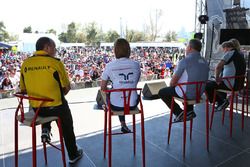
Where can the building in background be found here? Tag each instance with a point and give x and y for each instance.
(27, 41)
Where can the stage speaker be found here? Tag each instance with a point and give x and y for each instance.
(242, 35)
(99, 99)
(150, 90)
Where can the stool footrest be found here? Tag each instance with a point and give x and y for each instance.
(52, 145)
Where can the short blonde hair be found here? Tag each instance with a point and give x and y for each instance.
(227, 44)
(236, 43)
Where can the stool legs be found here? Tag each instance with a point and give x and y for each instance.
(16, 142)
(143, 139)
(232, 96)
(185, 125)
(243, 110)
(231, 113)
(191, 129)
(184, 128)
(109, 139)
(212, 115)
(207, 123)
(108, 132)
(59, 124)
(170, 119)
(34, 145)
(236, 107)
(45, 152)
(34, 154)
(44, 149)
(247, 97)
(134, 135)
(105, 133)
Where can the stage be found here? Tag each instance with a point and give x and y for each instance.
(88, 126)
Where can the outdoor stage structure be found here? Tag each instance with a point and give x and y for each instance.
(220, 20)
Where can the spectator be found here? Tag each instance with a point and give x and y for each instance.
(94, 74)
(87, 79)
(14, 77)
(7, 84)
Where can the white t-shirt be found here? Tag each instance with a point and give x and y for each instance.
(123, 73)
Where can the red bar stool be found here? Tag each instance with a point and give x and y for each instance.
(198, 86)
(108, 119)
(32, 119)
(233, 93)
(246, 89)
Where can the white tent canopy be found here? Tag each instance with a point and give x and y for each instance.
(149, 44)
(27, 41)
(65, 45)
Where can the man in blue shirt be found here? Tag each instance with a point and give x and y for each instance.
(190, 69)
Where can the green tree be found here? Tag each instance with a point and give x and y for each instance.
(92, 34)
(138, 36)
(51, 31)
(13, 37)
(170, 36)
(174, 36)
(111, 36)
(153, 28)
(4, 35)
(71, 32)
(63, 37)
(80, 37)
(70, 36)
(27, 29)
(135, 36)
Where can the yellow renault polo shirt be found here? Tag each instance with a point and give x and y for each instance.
(41, 76)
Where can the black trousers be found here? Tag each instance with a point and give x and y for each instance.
(64, 113)
(116, 108)
(166, 95)
(220, 96)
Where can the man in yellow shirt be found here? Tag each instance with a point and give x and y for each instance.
(43, 75)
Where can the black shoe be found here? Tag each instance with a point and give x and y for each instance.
(222, 106)
(78, 156)
(180, 118)
(190, 115)
(125, 129)
(45, 137)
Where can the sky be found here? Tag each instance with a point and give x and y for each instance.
(42, 15)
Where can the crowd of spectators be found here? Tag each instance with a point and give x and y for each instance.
(86, 64)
